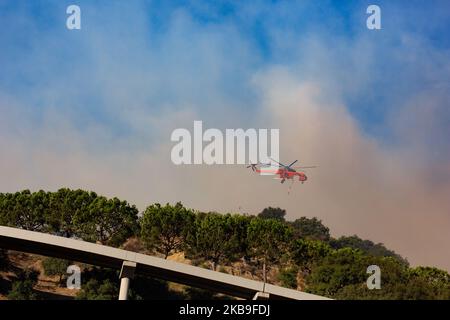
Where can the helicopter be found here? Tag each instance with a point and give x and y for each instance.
(284, 172)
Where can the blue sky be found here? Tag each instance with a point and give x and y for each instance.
(94, 108)
(38, 51)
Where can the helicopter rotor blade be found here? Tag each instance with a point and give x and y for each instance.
(278, 163)
(306, 167)
(292, 163)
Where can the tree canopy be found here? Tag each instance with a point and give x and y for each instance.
(165, 228)
(311, 228)
(218, 238)
(268, 240)
(367, 246)
(55, 267)
(70, 213)
(298, 254)
(272, 213)
(307, 253)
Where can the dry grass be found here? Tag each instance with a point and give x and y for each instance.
(47, 287)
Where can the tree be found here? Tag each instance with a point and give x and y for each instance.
(164, 229)
(367, 246)
(22, 288)
(311, 229)
(7, 203)
(145, 288)
(99, 284)
(340, 268)
(398, 282)
(428, 283)
(288, 277)
(217, 237)
(272, 213)
(306, 253)
(55, 267)
(342, 274)
(68, 211)
(431, 275)
(268, 240)
(3, 259)
(108, 221)
(98, 290)
(24, 210)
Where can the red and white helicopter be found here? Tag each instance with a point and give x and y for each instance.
(284, 172)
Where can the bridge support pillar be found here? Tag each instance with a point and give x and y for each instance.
(126, 273)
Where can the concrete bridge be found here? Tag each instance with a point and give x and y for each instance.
(131, 262)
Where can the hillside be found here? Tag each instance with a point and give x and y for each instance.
(298, 254)
(46, 286)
